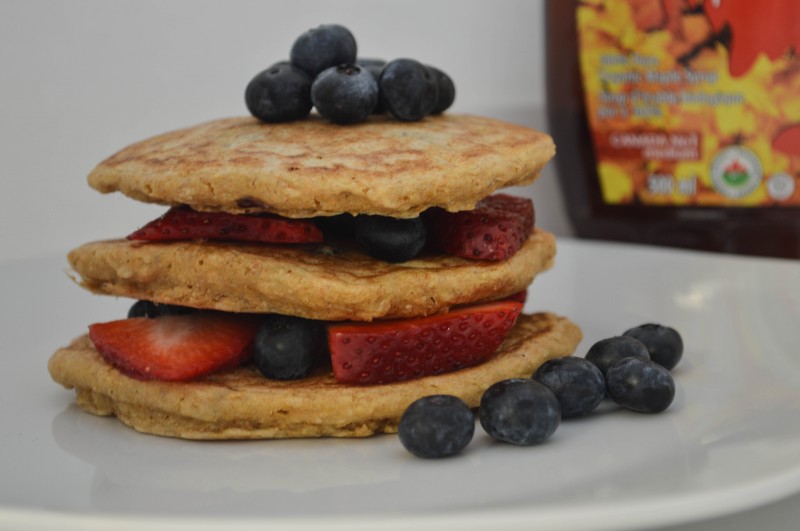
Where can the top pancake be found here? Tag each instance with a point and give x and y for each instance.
(311, 167)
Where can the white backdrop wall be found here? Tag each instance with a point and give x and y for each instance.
(80, 79)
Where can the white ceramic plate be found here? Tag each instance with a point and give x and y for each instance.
(728, 443)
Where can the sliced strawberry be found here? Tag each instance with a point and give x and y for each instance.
(403, 349)
(520, 296)
(494, 230)
(175, 347)
(181, 223)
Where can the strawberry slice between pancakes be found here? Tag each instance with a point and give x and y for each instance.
(183, 223)
(494, 230)
(175, 347)
(390, 351)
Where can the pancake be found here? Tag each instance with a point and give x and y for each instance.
(312, 167)
(242, 404)
(315, 282)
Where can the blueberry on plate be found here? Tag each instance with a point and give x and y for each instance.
(447, 91)
(286, 347)
(519, 411)
(664, 344)
(323, 47)
(281, 93)
(436, 426)
(390, 239)
(606, 351)
(409, 90)
(345, 94)
(640, 385)
(577, 383)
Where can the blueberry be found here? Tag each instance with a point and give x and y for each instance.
(367, 62)
(151, 309)
(408, 89)
(436, 426)
(519, 411)
(337, 226)
(280, 93)
(640, 384)
(323, 47)
(143, 309)
(375, 70)
(380, 106)
(606, 351)
(345, 94)
(390, 239)
(286, 348)
(663, 343)
(577, 383)
(374, 67)
(447, 91)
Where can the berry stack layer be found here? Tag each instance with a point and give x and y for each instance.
(311, 279)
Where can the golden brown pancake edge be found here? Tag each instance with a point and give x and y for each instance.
(312, 167)
(296, 281)
(242, 404)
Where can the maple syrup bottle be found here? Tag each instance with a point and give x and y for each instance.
(677, 122)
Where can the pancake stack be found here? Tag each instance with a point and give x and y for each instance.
(313, 170)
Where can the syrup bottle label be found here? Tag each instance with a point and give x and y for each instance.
(693, 102)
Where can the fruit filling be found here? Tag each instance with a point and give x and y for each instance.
(494, 230)
(174, 346)
(183, 223)
(390, 351)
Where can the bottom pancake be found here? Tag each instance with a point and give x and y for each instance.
(243, 404)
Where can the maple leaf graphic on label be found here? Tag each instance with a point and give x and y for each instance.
(736, 173)
(756, 28)
(788, 140)
(768, 27)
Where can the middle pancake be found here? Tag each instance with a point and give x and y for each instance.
(325, 282)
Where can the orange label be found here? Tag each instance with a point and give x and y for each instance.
(694, 102)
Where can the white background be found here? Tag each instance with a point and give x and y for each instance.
(81, 79)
